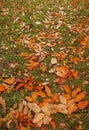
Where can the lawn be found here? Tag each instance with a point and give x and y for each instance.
(44, 65)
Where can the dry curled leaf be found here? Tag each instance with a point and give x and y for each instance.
(76, 91)
(80, 96)
(82, 104)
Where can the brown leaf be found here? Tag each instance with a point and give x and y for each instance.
(34, 107)
(80, 96)
(82, 104)
(76, 91)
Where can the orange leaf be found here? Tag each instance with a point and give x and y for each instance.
(55, 97)
(43, 68)
(67, 96)
(80, 96)
(72, 108)
(82, 104)
(2, 88)
(24, 54)
(62, 71)
(66, 88)
(48, 91)
(26, 86)
(75, 91)
(28, 98)
(53, 124)
(9, 81)
(41, 94)
(19, 86)
(34, 95)
(75, 74)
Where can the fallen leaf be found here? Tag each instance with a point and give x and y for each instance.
(38, 117)
(9, 81)
(48, 91)
(62, 71)
(66, 88)
(80, 96)
(25, 110)
(2, 88)
(76, 91)
(53, 124)
(28, 98)
(75, 74)
(55, 97)
(19, 86)
(34, 95)
(41, 94)
(34, 107)
(43, 68)
(53, 61)
(62, 99)
(72, 108)
(82, 104)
